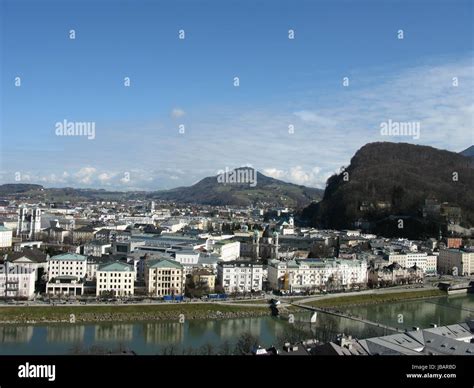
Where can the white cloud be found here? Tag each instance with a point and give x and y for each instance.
(274, 173)
(176, 113)
(85, 175)
(313, 177)
(327, 133)
(104, 177)
(312, 117)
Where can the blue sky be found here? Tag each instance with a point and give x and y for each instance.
(190, 82)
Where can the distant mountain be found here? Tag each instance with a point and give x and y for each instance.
(22, 191)
(13, 188)
(209, 191)
(468, 152)
(386, 179)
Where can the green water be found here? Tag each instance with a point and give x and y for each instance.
(217, 335)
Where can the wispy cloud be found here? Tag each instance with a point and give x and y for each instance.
(176, 113)
(325, 135)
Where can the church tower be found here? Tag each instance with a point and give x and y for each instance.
(256, 244)
(35, 223)
(275, 246)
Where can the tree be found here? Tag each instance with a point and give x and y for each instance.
(246, 343)
(218, 289)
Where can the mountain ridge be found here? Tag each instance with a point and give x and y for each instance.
(207, 191)
(385, 179)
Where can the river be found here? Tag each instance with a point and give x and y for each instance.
(221, 335)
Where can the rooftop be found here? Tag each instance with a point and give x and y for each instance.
(163, 263)
(116, 266)
(69, 257)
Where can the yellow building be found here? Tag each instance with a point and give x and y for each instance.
(164, 277)
(206, 278)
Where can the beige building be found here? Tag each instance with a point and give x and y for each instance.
(116, 277)
(83, 234)
(164, 277)
(394, 274)
(428, 263)
(456, 260)
(206, 278)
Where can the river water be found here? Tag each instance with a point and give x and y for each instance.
(221, 335)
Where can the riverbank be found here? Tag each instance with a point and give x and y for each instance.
(119, 313)
(210, 311)
(367, 299)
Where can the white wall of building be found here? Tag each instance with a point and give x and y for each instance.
(67, 265)
(5, 237)
(240, 277)
(21, 282)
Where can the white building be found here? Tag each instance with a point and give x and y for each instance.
(405, 244)
(451, 261)
(117, 277)
(286, 228)
(240, 276)
(67, 264)
(173, 225)
(16, 282)
(5, 237)
(227, 250)
(92, 267)
(29, 259)
(428, 263)
(29, 223)
(187, 256)
(66, 274)
(145, 220)
(307, 274)
(96, 248)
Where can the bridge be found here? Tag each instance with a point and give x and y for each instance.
(348, 316)
(451, 307)
(456, 286)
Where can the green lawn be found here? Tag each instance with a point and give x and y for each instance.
(250, 301)
(127, 312)
(374, 298)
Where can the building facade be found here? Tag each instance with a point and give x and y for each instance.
(29, 259)
(228, 250)
(66, 274)
(29, 223)
(164, 277)
(240, 276)
(5, 237)
(67, 264)
(428, 263)
(96, 248)
(117, 278)
(456, 262)
(16, 282)
(313, 274)
(205, 278)
(394, 274)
